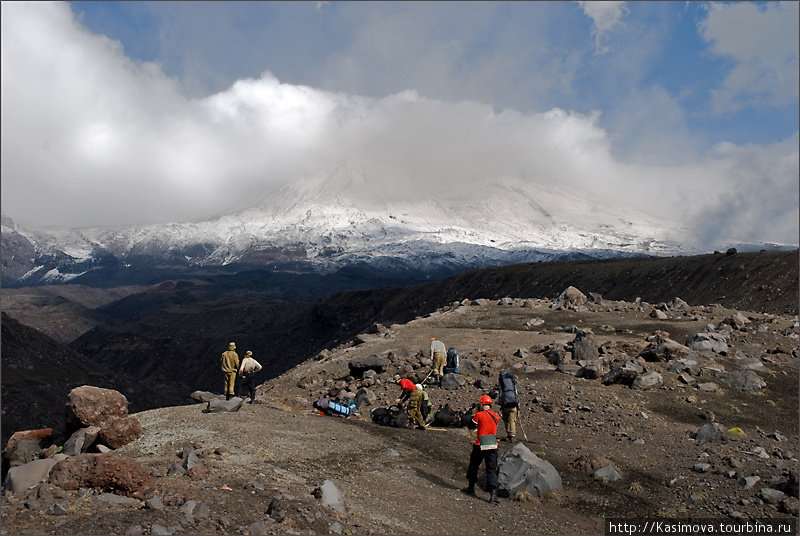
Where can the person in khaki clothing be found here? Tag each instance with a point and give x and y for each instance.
(229, 363)
(415, 408)
(438, 356)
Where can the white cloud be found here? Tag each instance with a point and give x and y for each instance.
(762, 41)
(90, 137)
(606, 18)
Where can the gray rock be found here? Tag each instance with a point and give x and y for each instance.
(26, 476)
(521, 470)
(708, 342)
(259, 528)
(365, 397)
(709, 432)
(154, 503)
(658, 314)
(750, 363)
(220, 405)
(467, 366)
(584, 346)
(81, 440)
(373, 362)
(453, 381)
(701, 467)
(624, 373)
(204, 396)
(749, 482)
(648, 380)
(119, 499)
(744, 380)
(571, 298)
(708, 387)
(772, 496)
(608, 473)
(57, 510)
(330, 496)
(161, 530)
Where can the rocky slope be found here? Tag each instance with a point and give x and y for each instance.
(264, 463)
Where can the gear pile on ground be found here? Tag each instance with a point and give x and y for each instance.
(637, 410)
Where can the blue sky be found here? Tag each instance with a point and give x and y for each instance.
(681, 109)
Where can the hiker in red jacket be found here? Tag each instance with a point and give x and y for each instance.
(484, 448)
(407, 386)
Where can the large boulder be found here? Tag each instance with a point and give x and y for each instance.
(708, 342)
(744, 380)
(220, 405)
(624, 373)
(365, 397)
(120, 431)
(521, 470)
(584, 346)
(109, 472)
(40, 434)
(453, 381)
(372, 362)
(648, 380)
(571, 298)
(22, 477)
(81, 440)
(468, 366)
(93, 406)
(662, 348)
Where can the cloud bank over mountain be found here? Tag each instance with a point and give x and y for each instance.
(93, 136)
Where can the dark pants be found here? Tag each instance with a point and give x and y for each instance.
(475, 458)
(248, 384)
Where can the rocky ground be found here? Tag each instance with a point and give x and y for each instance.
(264, 464)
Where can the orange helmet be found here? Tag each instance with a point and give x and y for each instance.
(433, 339)
(486, 399)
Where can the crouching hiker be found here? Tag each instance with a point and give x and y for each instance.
(247, 371)
(407, 386)
(415, 400)
(484, 449)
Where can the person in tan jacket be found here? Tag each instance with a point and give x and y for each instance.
(247, 372)
(229, 363)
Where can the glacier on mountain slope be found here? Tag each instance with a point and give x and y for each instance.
(351, 214)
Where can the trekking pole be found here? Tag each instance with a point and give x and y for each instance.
(519, 421)
(426, 377)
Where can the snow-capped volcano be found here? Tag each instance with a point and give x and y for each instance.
(353, 214)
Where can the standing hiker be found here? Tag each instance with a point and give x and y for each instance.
(484, 448)
(508, 400)
(438, 356)
(229, 363)
(247, 371)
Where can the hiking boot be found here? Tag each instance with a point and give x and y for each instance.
(227, 397)
(512, 438)
(469, 490)
(493, 497)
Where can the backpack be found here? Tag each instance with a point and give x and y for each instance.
(508, 390)
(425, 405)
(446, 416)
(331, 407)
(391, 416)
(451, 364)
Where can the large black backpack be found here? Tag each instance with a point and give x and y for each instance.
(391, 416)
(508, 390)
(446, 416)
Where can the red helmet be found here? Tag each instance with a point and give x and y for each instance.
(486, 399)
